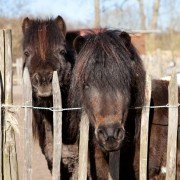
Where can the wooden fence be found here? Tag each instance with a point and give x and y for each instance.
(8, 159)
(17, 71)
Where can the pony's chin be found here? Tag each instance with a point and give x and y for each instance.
(110, 148)
(43, 94)
(42, 91)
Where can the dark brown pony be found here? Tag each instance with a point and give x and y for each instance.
(108, 81)
(45, 50)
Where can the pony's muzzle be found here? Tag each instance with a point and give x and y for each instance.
(42, 83)
(42, 78)
(110, 136)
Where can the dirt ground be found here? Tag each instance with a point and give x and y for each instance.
(40, 169)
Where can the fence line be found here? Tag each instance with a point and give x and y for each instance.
(10, 106)
(9, 166)
(38, 107)
(83, 134)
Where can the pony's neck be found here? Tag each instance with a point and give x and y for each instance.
(64, 95)
(42, 101)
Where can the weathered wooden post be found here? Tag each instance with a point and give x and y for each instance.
(1, 93)
(57, 127)
(10, 167)
(83, 147)
(144, 131)
(28, 137)
(0, 127)
(19, 67)
(172, 129)
(2, 55)
(9, 149)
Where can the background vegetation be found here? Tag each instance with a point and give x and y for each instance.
(157, 20)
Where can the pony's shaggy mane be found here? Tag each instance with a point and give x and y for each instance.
(108, 63)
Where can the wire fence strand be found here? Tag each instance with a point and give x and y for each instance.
(39, 107)
(79, 108)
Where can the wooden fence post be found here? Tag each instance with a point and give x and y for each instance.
(0, 127)
(10, 166)
(18, 67)
(1, 94)
(28, 137)
(83, 147)
(57, 127)
(2, 55)
(114, 162)
(144, 130)
(172, 129)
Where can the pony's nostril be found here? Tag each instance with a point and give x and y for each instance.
(102, 135)
(36, 78)
(111, 132)
(117, 133)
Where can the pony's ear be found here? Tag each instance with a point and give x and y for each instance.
(70, 37)
(61, 24)
(78, 43)
(26, 24)
(126, 38)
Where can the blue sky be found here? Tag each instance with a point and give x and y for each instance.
(73, 9)
(83, 10)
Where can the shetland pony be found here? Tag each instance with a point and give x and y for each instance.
(46, 50)
(108, 81)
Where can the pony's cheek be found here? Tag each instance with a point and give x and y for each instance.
(96, 121)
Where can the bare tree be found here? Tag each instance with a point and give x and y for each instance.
(155, 13)
(97, 13)
(142, 14)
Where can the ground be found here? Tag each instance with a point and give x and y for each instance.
(40, 170)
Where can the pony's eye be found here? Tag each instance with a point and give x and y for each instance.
(62, 52)
(26, 53)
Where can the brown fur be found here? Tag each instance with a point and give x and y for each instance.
(42, 41)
